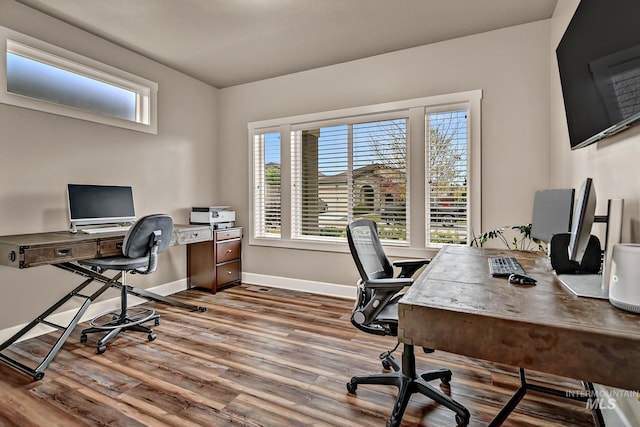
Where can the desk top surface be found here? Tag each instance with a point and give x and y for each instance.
(456, 305)
(459, 280)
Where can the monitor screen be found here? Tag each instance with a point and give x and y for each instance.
(582, 221)
(599, 66)
(552, 210)
(100, 204)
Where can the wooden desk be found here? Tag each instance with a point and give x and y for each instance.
(61, 249)
(455, 305)
(55, 247)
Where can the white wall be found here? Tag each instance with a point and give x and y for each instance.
(511, 66)
(612, 163)
(41, 153)
(614, 166)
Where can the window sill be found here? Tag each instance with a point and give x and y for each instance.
(341, 247)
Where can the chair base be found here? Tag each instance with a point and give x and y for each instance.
(121, 323)
(410, 382)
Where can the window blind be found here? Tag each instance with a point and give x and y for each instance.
(447, 177)
(268, 189)
(350, 171)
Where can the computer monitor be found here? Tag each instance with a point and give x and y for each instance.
(99, 204)
(552, 210)
(584, 280)
(582, 221)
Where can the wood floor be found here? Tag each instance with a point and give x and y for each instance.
(256, 357)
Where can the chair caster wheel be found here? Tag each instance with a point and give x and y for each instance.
(101, 349)
(351, 387)
(462, 421)
(446, 380)
(152, 336)
(157, 322)
(83, 338)
(386, 365)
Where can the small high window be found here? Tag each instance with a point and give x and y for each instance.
(43, 77)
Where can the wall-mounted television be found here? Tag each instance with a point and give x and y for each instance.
(599, 64)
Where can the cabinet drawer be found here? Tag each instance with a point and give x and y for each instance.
(61, 253)
(192, 235)
(227, 250)
(231, 233)
(228, 272)
(112, 247)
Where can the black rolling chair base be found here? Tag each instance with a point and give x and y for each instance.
(409, 383)
(132, 321)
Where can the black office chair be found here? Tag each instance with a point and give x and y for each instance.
(376, 312)
(148, 237)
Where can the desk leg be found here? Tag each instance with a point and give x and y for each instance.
(38, 372)
(142, 293)
(598, 419)
(524, 387)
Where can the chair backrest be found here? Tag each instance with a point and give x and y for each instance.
(372, 263)
(367, 251)
(149, 236)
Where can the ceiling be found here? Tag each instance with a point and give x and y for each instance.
(230, 42)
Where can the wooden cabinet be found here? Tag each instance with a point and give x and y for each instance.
(217, 263)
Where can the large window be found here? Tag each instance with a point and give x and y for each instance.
(44, 77)
(412, 166)
(348, 171)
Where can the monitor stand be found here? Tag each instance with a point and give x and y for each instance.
(585, 285)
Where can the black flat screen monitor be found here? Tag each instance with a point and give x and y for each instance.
(582, 221)
(100, 204)
(552, 210)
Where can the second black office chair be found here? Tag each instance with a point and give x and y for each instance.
(376, 312)
(148, 237)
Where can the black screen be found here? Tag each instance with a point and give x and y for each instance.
(88, 202)
(599, 64)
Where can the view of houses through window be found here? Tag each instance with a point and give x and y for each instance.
(340, 172)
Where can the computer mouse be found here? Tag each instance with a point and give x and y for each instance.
(521, 279)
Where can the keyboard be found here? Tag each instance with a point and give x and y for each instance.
(106, 229)
(504, 266)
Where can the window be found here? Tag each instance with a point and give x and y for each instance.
(267, 188)
(447, 175)
(43, 77)
(349, 171)
(412, 166)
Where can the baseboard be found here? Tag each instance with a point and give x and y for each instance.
(323, 288)
(64, 317)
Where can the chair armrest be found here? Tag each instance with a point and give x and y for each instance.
(389, 284)
(410, 266)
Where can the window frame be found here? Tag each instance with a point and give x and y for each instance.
(416, 159)
(40, 51)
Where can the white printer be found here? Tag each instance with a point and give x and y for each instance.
(217, 216)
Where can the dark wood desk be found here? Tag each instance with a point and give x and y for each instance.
(455, 305)
(62, 249)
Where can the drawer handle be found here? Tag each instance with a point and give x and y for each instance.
(229, 251)
(63, 252)
(119, 245)
(194, 234)
(229, 273)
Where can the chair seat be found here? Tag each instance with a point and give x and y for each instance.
(389, 314)
(117, 263)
